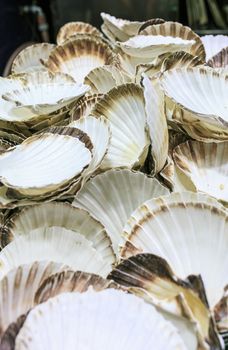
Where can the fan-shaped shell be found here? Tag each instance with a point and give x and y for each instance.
(49, 158)
(105, 319)
(70, 281)
(187, 233)
(18, 288)
(79, 56)
(150, 46)
(111, 197)
(220, 60)
(213, 44)
(55, 244)
(206, 164)
(84, 106)
(124, 107)
(71, 28)
(30, 59)
(177, 30)
(200, 91)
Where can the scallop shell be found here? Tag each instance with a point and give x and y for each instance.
(54, 244)
(111, 197)
(156, 120)
(125, 109)
(164, 225)
(105, 319)
(99, 132)
(55, 214)
(177, 30)
(79, 56)
(220, 60)
(30, 59)
(150, 22)
(70, 281)
(84, 106)
(103, 79)
(35, 156)
(187, 87)
(150, 46)
(151, 278)
(71, 28)
(213, 44)
(206, 164)
(18, 288)
(118, 28)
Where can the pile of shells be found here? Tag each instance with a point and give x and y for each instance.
(114, 190)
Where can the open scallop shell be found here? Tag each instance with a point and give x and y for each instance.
(79, 56)
(118, 28)
(103, 79)
(200, 91)
(150, 277)
(48, 157)
(70, 281)
(30, 59)
(206, 164)
(55, 244)
(84, 106)
(98, 131)
(71, 28)
(150, 46)
(220, 60)
(156, 120)
(18, 288)
(177, 30)
(63, 215)
(39, 99)
(124, 107)
(111, 197)
(213, 44)
(170, 227)
(105, 319)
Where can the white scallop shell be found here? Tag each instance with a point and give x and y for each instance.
(104, 320)
(71, 28)
(43, 163)
(124, 107)
(206, 164)
(213, 44)
(54, 244)
(187, 232)
(29, 59)
(111, 197)
(150, 46)
(18, 288)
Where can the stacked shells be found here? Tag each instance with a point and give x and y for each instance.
(113, 190)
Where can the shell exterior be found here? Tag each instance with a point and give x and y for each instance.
(154, 45)
(70, 281)
(71, 28)
(150, 277)
(157, 124)
(111, 197)
(177, 30)
(220, 60)
(79, 56)
(29, 59)
(99, 132)
(206, 164)
(213, 44)
(36, 155)
(105, 319)
(55, 244)
(170, 227)
(187, 88)
(103, 79)
(84, 106)
(18, 289)
(118, 28)
(125, 109)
